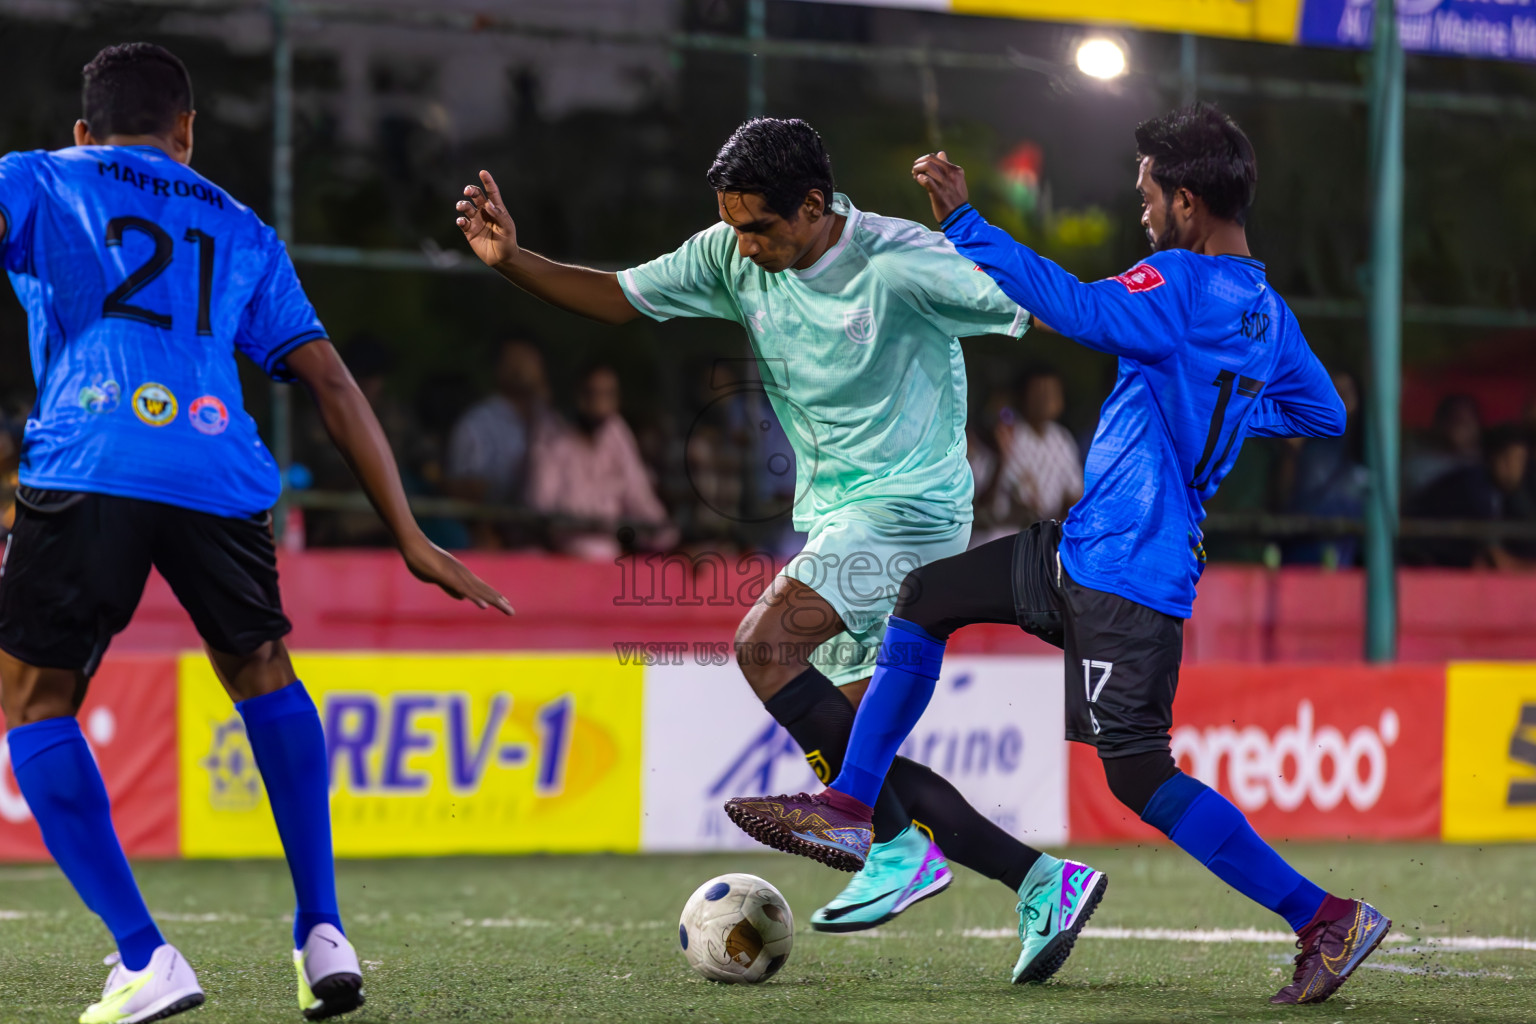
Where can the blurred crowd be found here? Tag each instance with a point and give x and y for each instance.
(1027, 466)
(530, 466)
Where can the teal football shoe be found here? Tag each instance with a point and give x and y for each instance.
(1055, 901)
(896, 875)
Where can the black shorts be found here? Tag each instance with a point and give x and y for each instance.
(76, 563)
(1122, 658)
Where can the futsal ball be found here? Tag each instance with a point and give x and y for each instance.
(736, 928)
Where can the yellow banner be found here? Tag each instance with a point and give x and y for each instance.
(1270, 20)
(432, 754)
(1490, 752)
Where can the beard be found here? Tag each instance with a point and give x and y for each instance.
(1166, 240)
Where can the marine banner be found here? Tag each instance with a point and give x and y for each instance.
(993, 729)
(1498, 29)
(432, 754)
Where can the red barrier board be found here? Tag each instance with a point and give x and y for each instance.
(1306, 752)
(129, 719)
(342, 600)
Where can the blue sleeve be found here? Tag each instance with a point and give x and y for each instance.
(1301, 401)
(18, 193)
(280, 317)
(1139, 315)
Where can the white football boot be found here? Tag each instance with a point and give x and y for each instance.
(165, 987)
(330, 978)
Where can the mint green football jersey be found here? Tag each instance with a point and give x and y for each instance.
(859, 355)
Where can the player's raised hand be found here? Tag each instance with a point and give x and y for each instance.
(486, 224)
(431, 564)
(944, 182)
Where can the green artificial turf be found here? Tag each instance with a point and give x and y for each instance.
(595, 939)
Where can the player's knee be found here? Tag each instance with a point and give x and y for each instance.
(31, 694)
(917, 602)
(1134, 779)
(255, 673)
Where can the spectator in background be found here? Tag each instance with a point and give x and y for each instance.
(1040, 472)
(593, 471)
(488, 450)
(1326, 476)
(1493, 490)
(1528, 421)
(371, 361)
(1453, 444)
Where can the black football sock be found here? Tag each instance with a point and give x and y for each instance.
(964, 834)
(820, 719)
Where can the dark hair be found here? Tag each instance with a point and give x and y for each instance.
(592, 369)
(1032, 373)
(777, 159)
(1203, 150)
(1502, 437)
(1454, 403)
(134, 89)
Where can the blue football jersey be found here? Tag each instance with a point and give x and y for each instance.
(141, 279)
(1209, 355)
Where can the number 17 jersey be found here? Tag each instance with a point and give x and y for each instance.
(141, 279)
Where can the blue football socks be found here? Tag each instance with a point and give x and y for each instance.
(63, 787)
(1206, 826)
(905, 673)
(289, 744)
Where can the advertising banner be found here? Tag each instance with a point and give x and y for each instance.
(1490, 752)
(432, 754)
(129, 720)
(993, 729)
(1269, 20)
(1326, 752)
(1500, 29)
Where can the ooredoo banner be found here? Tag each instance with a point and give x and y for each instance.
(129, 720)
(1305, 751)
(993, 729)
(432, 754)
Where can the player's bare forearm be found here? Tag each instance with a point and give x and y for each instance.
(492, 235)
(594, 294)
(355, 430)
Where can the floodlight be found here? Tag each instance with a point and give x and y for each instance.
(1101, 58)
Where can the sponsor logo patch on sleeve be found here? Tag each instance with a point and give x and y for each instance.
(1143, 277)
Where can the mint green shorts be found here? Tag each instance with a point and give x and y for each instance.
(855, 559)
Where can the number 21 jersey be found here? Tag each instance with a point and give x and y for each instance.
(141, 279)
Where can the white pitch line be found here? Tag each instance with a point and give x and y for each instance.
(1462, 943)
(1420, 944)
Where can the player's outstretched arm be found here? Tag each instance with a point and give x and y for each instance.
(1105, 315)
(492, 234)
(350, 421)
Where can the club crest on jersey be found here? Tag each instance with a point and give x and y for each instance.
(859, 325)
(154, 404)
(1143, 277)
(100, 397)
(208, 415)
